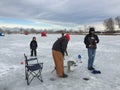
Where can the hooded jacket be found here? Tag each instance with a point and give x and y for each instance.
(91, 40)
(33, 44)
(60, 45)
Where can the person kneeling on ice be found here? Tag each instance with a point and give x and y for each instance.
(58, 50)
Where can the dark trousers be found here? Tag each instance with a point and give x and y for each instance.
(33, 51)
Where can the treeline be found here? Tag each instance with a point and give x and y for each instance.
(34, 31)
(51, 31)
(110, 24)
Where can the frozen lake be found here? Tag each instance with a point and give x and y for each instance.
(13, 47)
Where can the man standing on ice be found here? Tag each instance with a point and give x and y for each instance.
(58, 50)
(91, 41)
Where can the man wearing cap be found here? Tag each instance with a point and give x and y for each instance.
(91, 41)
(58, 50)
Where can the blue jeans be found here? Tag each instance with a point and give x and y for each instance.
(91, 56)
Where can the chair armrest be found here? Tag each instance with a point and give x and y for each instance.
(30, 59)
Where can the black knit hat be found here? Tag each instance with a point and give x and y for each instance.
(91, 29)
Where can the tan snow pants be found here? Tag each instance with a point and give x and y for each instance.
(58, 60)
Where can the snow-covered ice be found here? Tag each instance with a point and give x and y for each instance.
(13, 47)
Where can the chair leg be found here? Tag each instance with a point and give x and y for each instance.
(41, 80)
(27, 76)
(33, 74)
(27, 82)
(40, 76)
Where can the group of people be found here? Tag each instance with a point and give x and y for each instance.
(59, 49)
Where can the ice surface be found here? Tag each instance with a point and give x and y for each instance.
(13, 47)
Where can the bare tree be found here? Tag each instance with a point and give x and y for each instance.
(117, 19)
(1, 30)
(21, 30)
(109, 24)
(33, 30)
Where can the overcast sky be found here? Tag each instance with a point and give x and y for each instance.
(57, 13)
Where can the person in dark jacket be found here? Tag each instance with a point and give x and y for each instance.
(58, 50)
(33, 46)
(91, 41)
(66, 49)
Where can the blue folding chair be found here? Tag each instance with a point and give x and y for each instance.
(32, 69)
